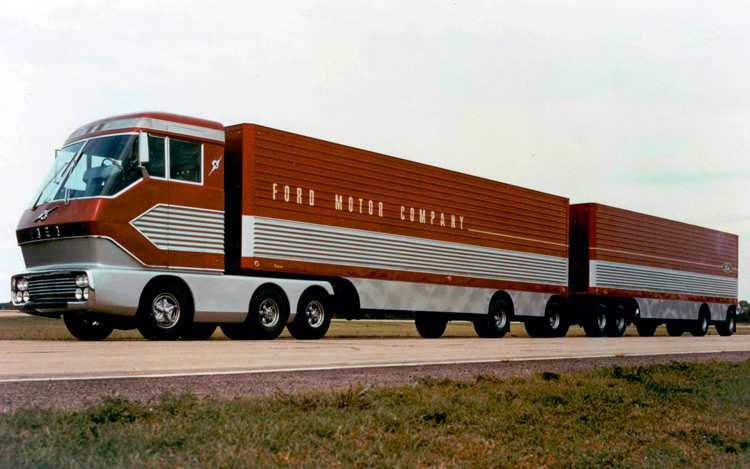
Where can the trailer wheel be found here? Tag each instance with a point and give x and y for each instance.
(700, 327)
(675, 328)
(199, 331)
(85, 327)
(164, 312)
(646, 328)
(313, 315)
(430, 326)
(616, 322)
(595, 324)
(555, 322)
(268, 314)
(496, 323)
(728, 327)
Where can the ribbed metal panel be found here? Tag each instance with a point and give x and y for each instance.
(57, 287)
(298, 241)
(641, 278)
(178, 228)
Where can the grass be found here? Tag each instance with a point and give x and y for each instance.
(40, 328)
(688, 415)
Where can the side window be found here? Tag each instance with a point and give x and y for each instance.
(185, 161)
(156, 164)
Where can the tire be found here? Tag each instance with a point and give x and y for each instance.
(555, 322)
(496, 323)
(616, 322)
(165, 311)
(86, 327)
(199, 331)
(313, 315)
(596, 323)
(268, 314)
(646, 328)
(430, 326)
(729, 326)
(675, 328)
(700, 327)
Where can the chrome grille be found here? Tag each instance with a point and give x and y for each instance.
(53, 287)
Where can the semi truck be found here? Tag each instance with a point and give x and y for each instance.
(176, 225)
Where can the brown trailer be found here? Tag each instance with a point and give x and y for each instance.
(628, 267)
(394, 235)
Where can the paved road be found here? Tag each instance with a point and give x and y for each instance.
(51, 360)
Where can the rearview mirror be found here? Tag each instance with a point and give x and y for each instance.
(143, 148)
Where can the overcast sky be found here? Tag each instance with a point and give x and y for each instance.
(641, 105)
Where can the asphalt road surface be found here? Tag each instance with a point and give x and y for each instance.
(54, 360)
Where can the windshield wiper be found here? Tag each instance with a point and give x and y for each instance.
(60, 174)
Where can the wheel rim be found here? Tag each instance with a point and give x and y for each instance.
(269, 313)
(315, 314)
(166, 310)
(620, 323)
(499, 319)
(731, 323)
(554, 320)
(704, 324)
(601, 321)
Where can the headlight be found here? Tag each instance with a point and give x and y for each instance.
(26, 296)
(86, 294)
(22, 284)
(82, 280)
(12, 283)
(79, 294)
(19, 297)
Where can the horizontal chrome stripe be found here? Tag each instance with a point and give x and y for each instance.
(149, 124)
(297, 241)
(176, 228)
(616, 275)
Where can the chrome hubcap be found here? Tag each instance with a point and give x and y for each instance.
(315, 314)
(620, 322)
(500, 319)
(269, 313)
(554, 320)
(166, 310)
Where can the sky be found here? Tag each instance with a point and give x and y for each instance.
(643, 105)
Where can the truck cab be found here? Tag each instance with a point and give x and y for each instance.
(132, 204)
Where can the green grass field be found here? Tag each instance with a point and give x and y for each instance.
(39, 328)
(684, 415)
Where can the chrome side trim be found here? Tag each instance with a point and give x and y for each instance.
(150, 124)
(177, 228)
(297, 241)
(605, 274)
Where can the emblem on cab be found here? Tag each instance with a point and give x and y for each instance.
(726, 267)
(43, 216)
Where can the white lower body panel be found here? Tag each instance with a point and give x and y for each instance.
(676, 309)
(410, 296)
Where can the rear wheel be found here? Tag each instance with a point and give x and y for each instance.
(646, 328)
(85, 327)
(675, 328)
(165, 311)
(728, 327)
(430, 325)
(596, 323)
(700, 327)
(496, 323)
(313, 316)
(555, 322)
(616, 322)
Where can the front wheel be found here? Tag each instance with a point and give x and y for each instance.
(199, 331)
(165, 311)
(313, 316)
(85, 327)
(496, 323)
(430, 325)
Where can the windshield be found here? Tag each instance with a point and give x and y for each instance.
(104, 166)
